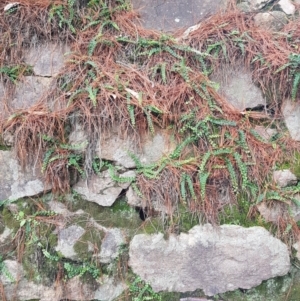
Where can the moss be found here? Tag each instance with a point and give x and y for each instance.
(9, 220)
(167, 296)
(91, 238)
(151, 226)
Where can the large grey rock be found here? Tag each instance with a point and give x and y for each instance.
(102, 189)
(258, 4)
(215, 259)
(169, 15)
(274, 20)
(29, 91)
(284, 178)
(114, 148)
(67, 238)
(287, 6)
(237, 87)
(16, 183)
(47, 59)
(110, 245)
(291, 113)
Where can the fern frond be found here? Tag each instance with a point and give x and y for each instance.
(232, 175)
(204, 161)
(46, 159)
(182, 186)
(189, 182)
(243, 169)
(203, 176)
(296, 83)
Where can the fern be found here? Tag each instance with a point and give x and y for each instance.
(117, 178)
(47, 159)
(203, 176)
(222, 122)
(232, 175)
(172, 52)
(257, 136)
(222, 151)
(296, 83)
(136, 190)
(176, 153)
(92, 94)
(130, 109)
(182, 186)
(189, 182)
(4, 270)
(149, 120)
(242, 142)
(243, 169)
(204, 161)
(92, 45)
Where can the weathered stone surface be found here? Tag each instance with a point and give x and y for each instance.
(216, 259)
(66, 240)
(109, 289)
(284, 178)
(287, 6)
(237, 87)
(116, 149)
(110, 245)
(78, 138)
(258, 4)
(102, 189)
(274, 213)
(23, 290)
(15, 183)
(169, 15)
(29, 92)
(244, 7)
(274, 20)
(47, 59)
(291, 113)
(296, 246)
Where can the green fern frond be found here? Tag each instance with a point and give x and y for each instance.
(117, 178)
(295, 87)
(257, 136)
(163, 72)
(182, 186)
(203, 176)
(222, 151)
(176, 153)
(92, 94)
(204, 161)
(92, 23)
(189, 182)
(242, 142)
(137, 190)
(136, 160)
(243, 169)
(172, 52)
(222, 122)
(46, 159)
(130, 109)
(234, 182)
(149, 120)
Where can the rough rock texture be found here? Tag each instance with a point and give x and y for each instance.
(296, 246)
(258, 4)
(102, 189)
(29, 92)
(284, 178)
(287, 6)
(47, 59)
(169, 15)
(237, 87)
(15, 183)
(66, 240)
(213, 259)
(291, 113)
(114, 148)
(73, 289)
(274, 20)
(110, 245)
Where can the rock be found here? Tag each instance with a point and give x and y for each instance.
(287, 6)
(5, 240)
(102, 189)
(73, 289)
(29, 92)
(272, 213)
(16, 183)
(66, 240)
(237, 87)
(110, 245)
(274, 20)
(109, 289)
(258, 4)
(170, 15)
(244, 7)
(215, 259)
(78, 138)
(114, 148)
(284, 178)
(47, 59)
(291, 113)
